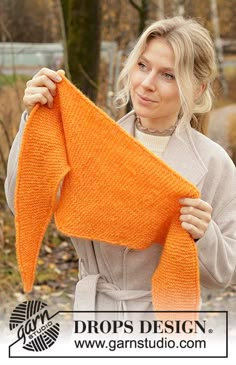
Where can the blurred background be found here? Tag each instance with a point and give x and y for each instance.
(90, 40)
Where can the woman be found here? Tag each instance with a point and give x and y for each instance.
(168, 77)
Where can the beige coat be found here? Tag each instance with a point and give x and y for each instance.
(118, 278)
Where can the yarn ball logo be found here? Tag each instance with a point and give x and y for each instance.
(34, 326)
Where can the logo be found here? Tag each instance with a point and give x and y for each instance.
(34, 326)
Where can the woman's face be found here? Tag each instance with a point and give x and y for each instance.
(154, 92)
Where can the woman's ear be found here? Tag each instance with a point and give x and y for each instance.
(200, 90)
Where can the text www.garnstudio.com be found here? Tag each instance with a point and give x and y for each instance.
(162, 343)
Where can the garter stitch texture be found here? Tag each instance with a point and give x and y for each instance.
(114, 190)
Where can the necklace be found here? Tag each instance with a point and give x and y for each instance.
(166, 132)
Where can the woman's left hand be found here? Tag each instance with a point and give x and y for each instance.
(195, 216)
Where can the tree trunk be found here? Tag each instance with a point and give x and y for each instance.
(142, 9)
(218, 46)
(65, 9)
(83, 42)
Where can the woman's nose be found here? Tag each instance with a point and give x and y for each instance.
(149, 82)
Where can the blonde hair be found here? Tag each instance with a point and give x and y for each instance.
(194, 65)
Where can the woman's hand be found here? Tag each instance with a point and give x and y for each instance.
(41, 88)
(195, 216)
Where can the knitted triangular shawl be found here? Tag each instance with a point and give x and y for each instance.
(114, 190)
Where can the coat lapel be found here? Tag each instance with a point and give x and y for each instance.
(181, 153)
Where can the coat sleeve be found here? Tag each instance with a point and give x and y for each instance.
(12, 163)
(217, 248)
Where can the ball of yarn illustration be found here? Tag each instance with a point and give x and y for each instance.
(44, 336)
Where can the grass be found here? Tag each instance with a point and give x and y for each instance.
(9, 80)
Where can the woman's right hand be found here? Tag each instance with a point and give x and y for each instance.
(41, 88)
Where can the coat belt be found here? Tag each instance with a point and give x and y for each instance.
(90, 285)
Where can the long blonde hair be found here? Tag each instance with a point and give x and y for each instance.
(194, 65)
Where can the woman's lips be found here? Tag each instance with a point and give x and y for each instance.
(145, 100)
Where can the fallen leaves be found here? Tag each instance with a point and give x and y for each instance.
(57, 270)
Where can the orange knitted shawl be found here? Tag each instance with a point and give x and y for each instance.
(114, 190)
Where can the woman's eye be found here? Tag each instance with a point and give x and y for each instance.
(169, 76)
(141, 65)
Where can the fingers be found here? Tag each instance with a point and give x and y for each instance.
(196, 203)
(194, 221)
(195, 232)
(42, 80)
(195, 216)
(62, 72)
(42, 88)
(41, 85)
(201, 214)
(51, 74)
(40, 95)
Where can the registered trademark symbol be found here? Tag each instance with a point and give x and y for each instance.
(210, 330)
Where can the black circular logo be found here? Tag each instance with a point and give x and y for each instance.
(34, 325)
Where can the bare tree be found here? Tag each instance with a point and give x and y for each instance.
(142, 10)
(63, 15)
(218, 46)
(83, 31)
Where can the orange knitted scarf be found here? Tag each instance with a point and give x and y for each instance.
(114, 190)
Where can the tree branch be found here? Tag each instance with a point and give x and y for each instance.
(5, 30)
(133, 3)
(84, 73)
(5, 133)
(3, 161)
(64, 40)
